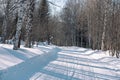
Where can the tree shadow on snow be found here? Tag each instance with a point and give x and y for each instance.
(21, 53)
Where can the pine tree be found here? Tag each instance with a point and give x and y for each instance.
(44, 18)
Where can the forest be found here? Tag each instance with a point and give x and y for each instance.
(91, 24)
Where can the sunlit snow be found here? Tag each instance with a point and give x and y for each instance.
(57, 63)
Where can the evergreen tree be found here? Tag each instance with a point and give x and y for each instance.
(44, 18)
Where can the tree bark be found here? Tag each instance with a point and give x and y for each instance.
(104, 27)
(19, 24)
(29, 23)
(4, 28)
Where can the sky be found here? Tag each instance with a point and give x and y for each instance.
(56, 9)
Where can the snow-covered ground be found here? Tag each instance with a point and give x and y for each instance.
(57, 63)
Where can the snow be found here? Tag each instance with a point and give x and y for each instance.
(57, 63)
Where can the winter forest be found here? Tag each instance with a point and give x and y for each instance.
(85, 23)
(59, 39)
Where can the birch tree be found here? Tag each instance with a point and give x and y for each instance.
(30, 9)
(20, 20)
(104, 24)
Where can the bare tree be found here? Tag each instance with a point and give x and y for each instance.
(30, 9)
(20, 20)
(104, 24)
(6, 19)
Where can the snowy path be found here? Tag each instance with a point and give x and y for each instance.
(79, 65)
(23, 63)
(57, 63)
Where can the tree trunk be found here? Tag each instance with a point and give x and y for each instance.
(104, 27)
(29, 23)
(4, 28)
(19, 24)
(5, 22)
